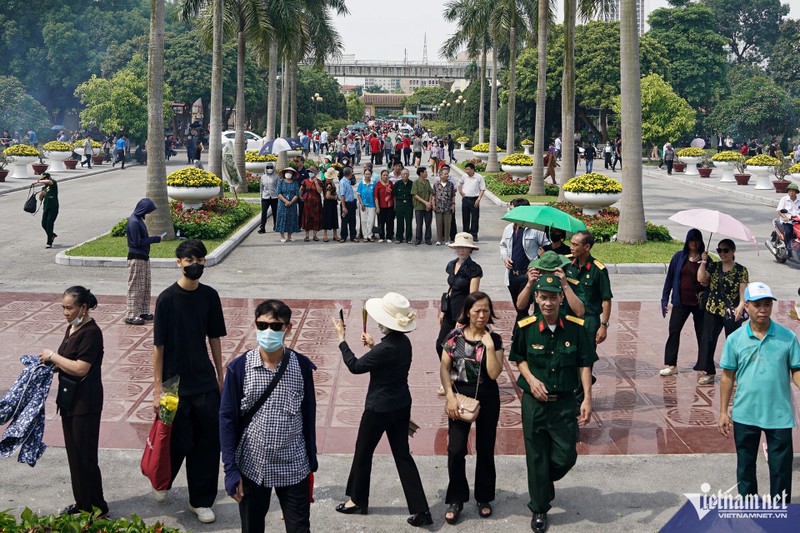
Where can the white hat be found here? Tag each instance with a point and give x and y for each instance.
(463, 240)
(757, 291)
(392, 311)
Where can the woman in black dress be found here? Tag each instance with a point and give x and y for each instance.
(330, 205)
(78, 362)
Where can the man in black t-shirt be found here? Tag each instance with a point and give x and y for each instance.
(186, 313)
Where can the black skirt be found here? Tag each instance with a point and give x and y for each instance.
(330, 214)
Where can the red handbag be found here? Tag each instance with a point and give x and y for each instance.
(156, 465)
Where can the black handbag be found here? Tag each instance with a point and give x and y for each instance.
(67, 387)
(31, 205)
(444, 305)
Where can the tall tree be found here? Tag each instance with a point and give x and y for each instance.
(751, 26)
(515, 17)
(544, 15)
(631, 218)
(568, 95)
(491, 163)
(784, 63)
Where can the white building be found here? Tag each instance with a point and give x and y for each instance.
(387, 84)
(611, 13)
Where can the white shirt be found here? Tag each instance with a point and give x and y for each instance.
(793, 208)
(558, 143)
(472, 187)
(323, 137)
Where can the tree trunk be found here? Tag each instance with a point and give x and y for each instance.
(491, 164)
(631, 219)
(240, 143)
(215, 130)
(159, 220)
(537, 182)
(293, 101)
(512, 89)
(482, 106)
(585, 119)
(604, 124)
(568, 96)
(284, 97)
(272, 90)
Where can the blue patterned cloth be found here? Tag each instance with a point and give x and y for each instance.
(23, 406)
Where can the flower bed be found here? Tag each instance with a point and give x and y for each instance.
(21, 150)
(503, 184)
(192, 177)
(83, 521)
(251, 156)
(593, 183)
(79, 144)
(520, 160)
(605, 224)
(57, 146)
(728, 156)
(763, 160)
(690, 152)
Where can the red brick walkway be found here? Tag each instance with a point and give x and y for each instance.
(635, 410)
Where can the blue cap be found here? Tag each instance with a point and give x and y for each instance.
(757, 291)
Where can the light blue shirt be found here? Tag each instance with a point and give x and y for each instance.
(763, 395)
(346, 190)
(367, 193)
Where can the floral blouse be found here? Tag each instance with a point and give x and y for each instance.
(444, 196)
(468, 357)
(723, 290)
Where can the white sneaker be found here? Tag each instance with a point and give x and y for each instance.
(160, 495)
(380, 240)
(447, 243)
(204, 514)
(438, 243)
(669, 371)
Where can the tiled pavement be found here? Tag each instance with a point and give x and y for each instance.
(635, 410)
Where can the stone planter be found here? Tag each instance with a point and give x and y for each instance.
(256, 167)
(705, 172)
(192, 197)
(21, 163)
(691, 165)
(527, 148)
(727, 169)
(742, 179)
(483, 156)
(678, 167)
(57, 160)
(592, 202)
(98, 159)
(70, 164)
(763, 179)
(462, 146)
(781, 186)
(39, 168)
(519, 172)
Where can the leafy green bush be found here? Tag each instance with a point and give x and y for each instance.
(29, 522)
(604, 225)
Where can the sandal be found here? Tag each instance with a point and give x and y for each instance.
(306, 239)
(317, 239)
(485, 509)
(323, 240)
(455, 510)
(708, 379)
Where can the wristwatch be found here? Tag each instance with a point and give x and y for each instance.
(604, 323)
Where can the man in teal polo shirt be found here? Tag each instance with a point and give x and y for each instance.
(760, 357)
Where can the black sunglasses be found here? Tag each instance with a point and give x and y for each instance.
(274, 326)
(723, 250)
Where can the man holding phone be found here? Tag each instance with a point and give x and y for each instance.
(139, 242)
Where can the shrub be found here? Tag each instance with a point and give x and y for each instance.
(481, 147)
(763, 160)
(57, 146)
(90, 522)
(605, 224)
(728, 156)
(520, 160)
(462, 139)
(22, 150)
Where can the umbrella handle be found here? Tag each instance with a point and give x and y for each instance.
(708, 247)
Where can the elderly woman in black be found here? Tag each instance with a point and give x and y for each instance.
(80, 397)
(387, 408)
(472, 358)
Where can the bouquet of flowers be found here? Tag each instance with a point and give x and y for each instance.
(168, 403)
(156, 463)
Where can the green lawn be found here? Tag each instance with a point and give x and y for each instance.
(533, 199)
(651, 252)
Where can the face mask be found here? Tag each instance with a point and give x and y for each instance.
(269, 340)
(75, 322)
(193, 271)
(287, 175)
(270, 170)
(384, 329)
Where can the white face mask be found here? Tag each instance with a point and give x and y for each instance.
(287, 175)
(270, 170)
(384, 329)
(77, 321)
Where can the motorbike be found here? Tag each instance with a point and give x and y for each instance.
(777, 243)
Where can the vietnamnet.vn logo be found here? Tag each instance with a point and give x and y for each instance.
(728, 505)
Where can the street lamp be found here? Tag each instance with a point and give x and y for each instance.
(316, 99)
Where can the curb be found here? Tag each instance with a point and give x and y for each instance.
(212, 259)
(59, 178)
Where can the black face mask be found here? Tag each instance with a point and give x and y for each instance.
(193, 271)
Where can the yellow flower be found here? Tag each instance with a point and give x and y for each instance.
(192, 177)
(763, 160)
(251, 156)
(484, 147)
(21, 150)
(593, 183)
(728, 156)
(691, 152)
(57, 146)
(517, 160)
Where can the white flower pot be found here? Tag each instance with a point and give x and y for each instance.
(256, 167)
(519, 172)
(462, 146)
(795, 177)
(21, 163)
(483, 156)
(763, 177)
(57, 160)
(192, 197)
(691, 165)
(727, 169)
(592, 202)
(527, 148)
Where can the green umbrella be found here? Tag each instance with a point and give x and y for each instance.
(543, 216)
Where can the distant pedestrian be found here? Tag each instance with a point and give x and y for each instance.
(551, 163)
(589, 153)
(5, 140)
(347, 199)
(384, 207)
(289, 194)
(330, 205)
(190, 146)
(669, 157)
(617, 154)
(365, 195)
(121, 147)
(471, 187)
(33, 138)
(88, 151)
(198, 153)
(451, 149)
(404, 207)
(269, 196)
(444, 206)
(139, 241)
(608, 154)
(49, 197)
(311, 195)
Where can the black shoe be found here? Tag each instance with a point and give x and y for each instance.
(70, 509)
(485, 507)
(539, 522)
(134, 321)
(420, 519)
(147, 316)
(455, 510)
(355, 509)
(262, 230)
(429, 243)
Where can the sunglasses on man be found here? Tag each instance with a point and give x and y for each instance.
(274, 326)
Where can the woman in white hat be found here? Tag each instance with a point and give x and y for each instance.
(387, 408)
(463, 277)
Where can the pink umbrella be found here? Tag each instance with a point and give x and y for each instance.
(715, 222)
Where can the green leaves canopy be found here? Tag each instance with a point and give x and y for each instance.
(21, 112)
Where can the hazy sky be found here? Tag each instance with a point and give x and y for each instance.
(383, 31)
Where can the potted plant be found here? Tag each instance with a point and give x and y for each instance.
(526, 145)
(57, 152)
(97, 157)
(691, 157)
(192, 186)
(705, 167)
(3, 171)
(761, 166)
(255, 163)
(741, 176)
(592, 191)
(481, 151)
(794, 171)
(70, 164)
(21, 155)
(518, 165)
(726, 161)
(781, 171)
(40, 167)
(463, 140)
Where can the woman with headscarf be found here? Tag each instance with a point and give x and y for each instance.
(387, 408)
(682, 289)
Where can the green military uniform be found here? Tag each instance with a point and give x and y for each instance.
(404, 208)
(549, 262)
(550, 428)
(596, 288)
(49, 208)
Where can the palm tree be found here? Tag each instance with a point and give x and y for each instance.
(544, 18)
(631, 218)
(272, 87)
(160, 220)
(491, 163)
(568, 95)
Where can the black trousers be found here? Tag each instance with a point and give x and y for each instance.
(120, 158)
(669, 163)
(470, 215)
(607, 158)
(376, 158)
(485, 436)
(448, 324)
(373, 426)
(88, 160)
(349, 221)
(406, 155)
(195, 437)
(677, 318)
(517, 282)
(453, 228)
(788, 236)
(712, 326)
(266, 203)
(421, 216)
(386, 223)
(779, 459)
(294, 504)
(81, 440)
(48, 223)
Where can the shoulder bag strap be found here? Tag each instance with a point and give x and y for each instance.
(247, 416)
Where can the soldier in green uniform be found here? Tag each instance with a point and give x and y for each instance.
(554, 264)
(404, 207)
(596, 286)
(554, 357)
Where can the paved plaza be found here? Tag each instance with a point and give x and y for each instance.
(650, 439)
